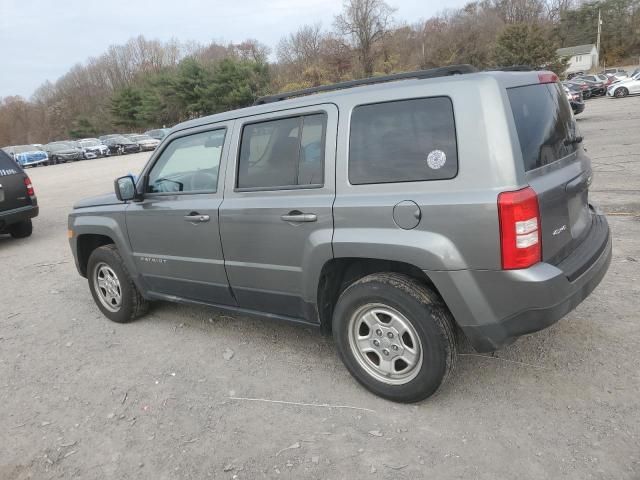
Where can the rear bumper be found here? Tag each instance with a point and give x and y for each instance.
(11, 217)
(494, 308)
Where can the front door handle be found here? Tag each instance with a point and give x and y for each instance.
(297, 216)
(195, 217)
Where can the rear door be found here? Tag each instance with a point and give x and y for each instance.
(277, 217)
(13, 192)
(555, 165)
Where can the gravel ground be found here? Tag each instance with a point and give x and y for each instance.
(168, 396)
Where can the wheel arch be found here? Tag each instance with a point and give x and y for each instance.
(338, 273)
(86, 244)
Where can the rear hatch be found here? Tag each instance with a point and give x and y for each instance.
(555, 164)
(13, 191)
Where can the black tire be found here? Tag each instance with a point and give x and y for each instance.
(426, 314)
(132, 304)
(621, 92)
(21, 230)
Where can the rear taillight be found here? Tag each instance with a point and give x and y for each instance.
(520, 239)
(27, 183)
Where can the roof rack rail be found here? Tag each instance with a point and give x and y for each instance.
(431, 73)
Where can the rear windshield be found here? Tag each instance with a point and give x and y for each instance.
(544, 122)
(7, 165)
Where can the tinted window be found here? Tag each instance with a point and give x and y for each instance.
(188, 164)
(404, 141)
(281, 153)
(7, 165)
(544, 123)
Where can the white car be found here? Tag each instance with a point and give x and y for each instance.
(628, 86)
(145, 141)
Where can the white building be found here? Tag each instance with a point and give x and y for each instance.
(581, 58)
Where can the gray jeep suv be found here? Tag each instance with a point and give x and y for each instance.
(396, 212)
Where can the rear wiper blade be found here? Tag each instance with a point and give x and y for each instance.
(572, 141)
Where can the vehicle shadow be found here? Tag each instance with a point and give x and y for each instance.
(316, 349)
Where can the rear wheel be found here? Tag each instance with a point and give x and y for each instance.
(112, 288)
(395, 336)
(21, 230)
(621, 92)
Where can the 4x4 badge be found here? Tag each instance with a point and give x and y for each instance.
(558, 231)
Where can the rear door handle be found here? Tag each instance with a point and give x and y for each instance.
(196, 218)
(298, 217)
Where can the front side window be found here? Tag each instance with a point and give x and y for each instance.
(283, 153)
(188, 164)
(403, 141)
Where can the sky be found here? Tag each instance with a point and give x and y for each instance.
(42, 39)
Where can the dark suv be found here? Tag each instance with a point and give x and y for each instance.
(18, 203)
(396, 212)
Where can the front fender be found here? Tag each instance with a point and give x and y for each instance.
(112, 226)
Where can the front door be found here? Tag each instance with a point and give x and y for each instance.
(276, 219)
(174, 231)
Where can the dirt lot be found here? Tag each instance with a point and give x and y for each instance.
(85, 398)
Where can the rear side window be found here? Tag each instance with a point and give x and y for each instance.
(283, 153)
(7, 165)
(544, 123)
(404, 141)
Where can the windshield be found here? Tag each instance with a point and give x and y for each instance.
(89, 143)
(544, 122)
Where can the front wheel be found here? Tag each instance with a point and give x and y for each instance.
(111, 286)
(621, 92)
(395, 336)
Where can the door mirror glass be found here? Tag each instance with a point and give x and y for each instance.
(125, 188)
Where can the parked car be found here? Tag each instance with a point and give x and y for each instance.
(92, 148)
(630, 86)
(574, 74)
(119, 145)
(575, 100)
(27, 155)
(615, 71)
(61, 152)
(605, 79)
(158, 133)
(584, 89)
(18, 202)
(336, 210)
(145, 141)
(598, 88)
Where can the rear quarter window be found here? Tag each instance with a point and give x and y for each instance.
(7, 165)
(403, 141)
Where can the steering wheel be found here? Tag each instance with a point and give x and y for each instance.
(203, 181)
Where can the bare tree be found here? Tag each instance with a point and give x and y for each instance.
(303, 46)
(365, 22)
(253, 50)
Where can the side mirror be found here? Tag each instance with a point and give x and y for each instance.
(125, 188)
